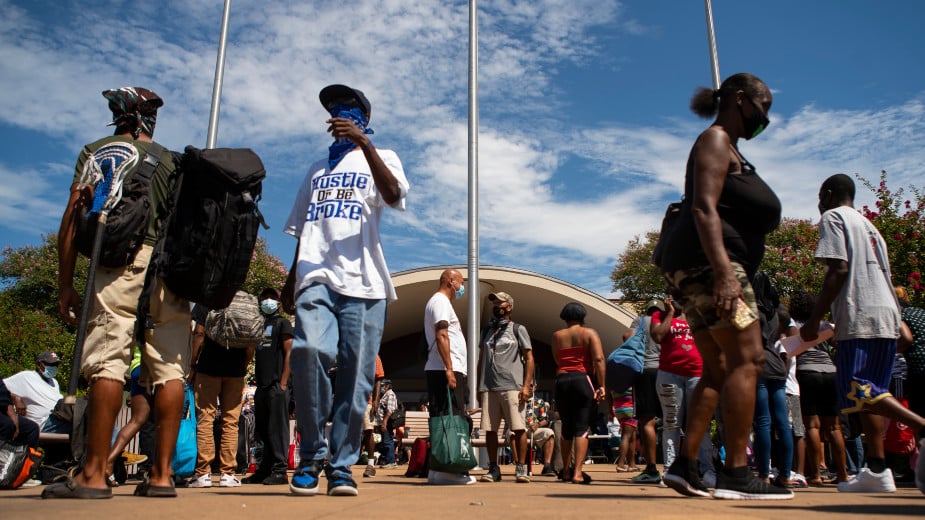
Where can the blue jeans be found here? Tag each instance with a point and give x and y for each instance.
(388, 446)
(771, 410)
(334, 330)
(674, 393)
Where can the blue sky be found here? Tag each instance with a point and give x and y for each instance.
(585, 126)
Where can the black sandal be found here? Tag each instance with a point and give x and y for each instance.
(146, 489)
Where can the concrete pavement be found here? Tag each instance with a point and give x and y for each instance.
(390, 495)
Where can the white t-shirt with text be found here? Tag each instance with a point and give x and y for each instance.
(336, 218)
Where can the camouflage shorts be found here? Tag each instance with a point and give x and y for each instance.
(693, 289)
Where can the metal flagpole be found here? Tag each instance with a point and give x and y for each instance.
(473, 323)
(711, 42)
(219, 76)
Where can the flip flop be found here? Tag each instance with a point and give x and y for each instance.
(146, 489)
(585, 479)
(71, 489)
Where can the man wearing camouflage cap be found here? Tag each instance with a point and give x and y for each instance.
(505, 383)
(109, 343)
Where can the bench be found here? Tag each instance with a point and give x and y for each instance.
(417, 425)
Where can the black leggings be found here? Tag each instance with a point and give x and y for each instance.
(575, 402)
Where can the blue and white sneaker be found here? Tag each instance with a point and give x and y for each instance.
(342, 487)
(305, 479)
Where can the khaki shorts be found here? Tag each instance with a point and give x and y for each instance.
(369, 418)
(502, 405)
(541, 435)
(693, 288)
(110, 335)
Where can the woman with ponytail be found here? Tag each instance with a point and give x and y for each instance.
(709, 257)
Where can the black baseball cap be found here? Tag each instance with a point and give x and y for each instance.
(48, 357)
(332, 93)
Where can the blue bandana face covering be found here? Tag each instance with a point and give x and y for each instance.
(342, 146)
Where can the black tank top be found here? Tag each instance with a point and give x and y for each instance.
(748, 209)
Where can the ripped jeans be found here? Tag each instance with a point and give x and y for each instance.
(674, 393)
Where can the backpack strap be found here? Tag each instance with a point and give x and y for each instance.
(143, 319)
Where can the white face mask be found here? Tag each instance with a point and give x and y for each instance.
(269, 306)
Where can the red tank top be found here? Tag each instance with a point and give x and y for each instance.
(574, 359)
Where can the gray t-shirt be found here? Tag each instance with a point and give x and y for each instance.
(866, 307)
(500, 353)
(653, 349)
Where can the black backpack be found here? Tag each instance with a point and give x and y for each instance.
(204, 250)
(398, 417)
(127, 223)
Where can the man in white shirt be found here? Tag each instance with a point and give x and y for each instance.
(338, 289)
(38, 388)
(447, 366)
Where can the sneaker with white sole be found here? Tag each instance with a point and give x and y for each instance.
(305, 479)
(202, 481)
(342, 487)
(442, 478)
(32, 482)
(797, 480)
(229, 480)
(866, 481)
(520, 474)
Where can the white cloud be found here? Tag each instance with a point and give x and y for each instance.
(557, 196)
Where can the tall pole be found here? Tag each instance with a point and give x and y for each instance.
(474, 300)
(711, 42)
(219, 77)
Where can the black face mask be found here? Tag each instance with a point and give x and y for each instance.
(755, 124)
(497, 312)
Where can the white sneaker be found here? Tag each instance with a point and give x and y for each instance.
(202, 481)
(442, 478)
(709, 479)
(31, 483)
(920, 467)
(229, 480)
(866, 481)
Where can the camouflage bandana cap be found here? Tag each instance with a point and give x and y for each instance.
(134, 108)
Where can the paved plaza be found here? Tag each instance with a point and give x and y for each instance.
(390, 495)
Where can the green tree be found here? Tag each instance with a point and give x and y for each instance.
(901, 221)
(788, 257)
(635, 276)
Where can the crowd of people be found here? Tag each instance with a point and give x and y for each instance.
(711, 368)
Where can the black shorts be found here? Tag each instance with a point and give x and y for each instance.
(818, 394)
(645, 396)
(575, 402)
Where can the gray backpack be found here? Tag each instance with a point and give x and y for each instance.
(240, 325)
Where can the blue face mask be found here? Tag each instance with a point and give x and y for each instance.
(51, 371)
(461, 291)
(342, 146)
(269, 306)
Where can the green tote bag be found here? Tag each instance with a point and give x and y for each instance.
(450, 446)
